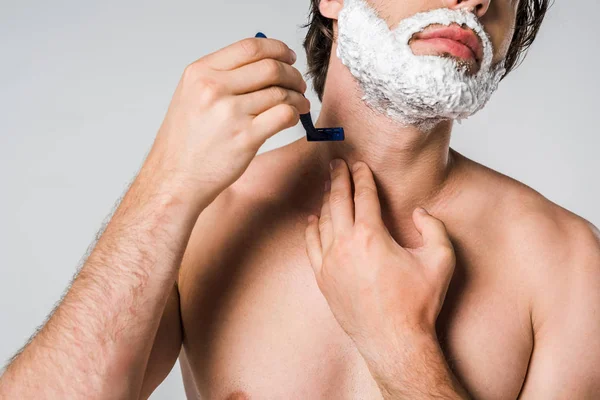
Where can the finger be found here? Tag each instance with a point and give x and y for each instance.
(325, 226)
(340, 201)
(432, 230)
(313, 243)
(366, 201)
(247, 51)
(262, 74)
(258, 102)
(272, 121)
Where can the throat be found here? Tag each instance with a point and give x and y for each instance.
(411, 168)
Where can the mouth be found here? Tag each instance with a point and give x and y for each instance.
(454, 40)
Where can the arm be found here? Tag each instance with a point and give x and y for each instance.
(104, 327)
(386, 297)
(166, 346)
(98, 341)
(413, 367)
(566, 320)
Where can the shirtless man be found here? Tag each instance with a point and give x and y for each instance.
(373, 298)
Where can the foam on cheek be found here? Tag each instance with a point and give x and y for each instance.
(414, 90)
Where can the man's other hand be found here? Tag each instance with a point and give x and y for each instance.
(379, 292)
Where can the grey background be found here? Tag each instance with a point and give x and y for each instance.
(84, 87)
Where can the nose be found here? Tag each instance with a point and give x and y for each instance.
(479, 7)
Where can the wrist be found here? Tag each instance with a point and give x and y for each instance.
(398, 348)
(158, 207)
(412, 363)
(173, 191)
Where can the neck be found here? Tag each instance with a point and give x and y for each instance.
(412, 167)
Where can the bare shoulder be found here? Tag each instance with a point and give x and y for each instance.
(237, 215)
(526, 218)
(558, 256)
(553, 255)
(262, 184)
(554, 250)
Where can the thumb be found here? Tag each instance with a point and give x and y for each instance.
(432, 230)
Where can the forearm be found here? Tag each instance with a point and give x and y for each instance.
(413, 367)
(97, 342)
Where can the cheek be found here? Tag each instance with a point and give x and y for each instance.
(501, 32)
(502, 44)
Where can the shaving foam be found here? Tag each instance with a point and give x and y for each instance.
(413, 90)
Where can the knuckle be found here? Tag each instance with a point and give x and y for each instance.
(359, 167)
(279, 94)
(209, 89)
(363, 228)
(365, 232)
(439, 224)
(227, 109)
(192, 71)
(280, 49)
(434, 222)
(338, 198)
(246, 142)
(289, 114)
(251, 47)
(364, 192)
(271, 68)
(445, 255)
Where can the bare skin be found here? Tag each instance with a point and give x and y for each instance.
(256, 322)
(97, 343)
(524, 293)
(500, 300)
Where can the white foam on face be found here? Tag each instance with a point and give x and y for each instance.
(413, 90)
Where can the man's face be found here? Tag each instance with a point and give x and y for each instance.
(423, 61)
(497, 17)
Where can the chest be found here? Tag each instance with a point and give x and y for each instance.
(260, 326)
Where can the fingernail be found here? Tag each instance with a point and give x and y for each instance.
(355, 166)
(294, 56)
(422, 210)
(334, 163)
(327, 185)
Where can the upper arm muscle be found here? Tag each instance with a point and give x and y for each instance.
(566, 354)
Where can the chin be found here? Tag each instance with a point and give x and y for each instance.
(468, 65)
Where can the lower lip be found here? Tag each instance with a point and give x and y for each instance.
(443, 45)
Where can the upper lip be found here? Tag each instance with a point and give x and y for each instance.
(455, 32)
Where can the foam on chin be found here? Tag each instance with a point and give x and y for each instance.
(413, 90)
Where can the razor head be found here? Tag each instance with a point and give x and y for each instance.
(320, 134)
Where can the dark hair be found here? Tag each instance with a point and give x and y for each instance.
(319, 39)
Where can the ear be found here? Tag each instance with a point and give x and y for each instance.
(331, 8)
